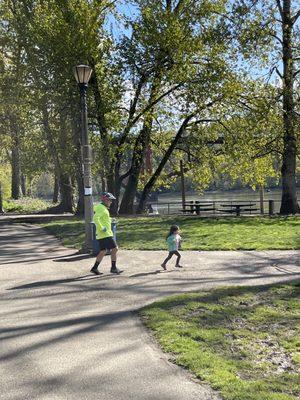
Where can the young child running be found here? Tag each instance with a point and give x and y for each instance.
(173, 240)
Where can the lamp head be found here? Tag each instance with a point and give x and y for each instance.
(82, 74)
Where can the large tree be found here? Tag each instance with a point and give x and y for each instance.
(184, 69)
(253, 29)
(176, 48)
(275, 24)
(51, 44)
(290, 56)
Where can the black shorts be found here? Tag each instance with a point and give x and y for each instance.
(107, 243)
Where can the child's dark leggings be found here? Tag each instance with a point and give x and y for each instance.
(171, 253)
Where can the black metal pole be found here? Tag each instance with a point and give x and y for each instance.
(87, 175)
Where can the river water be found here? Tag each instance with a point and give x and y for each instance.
(220, 196)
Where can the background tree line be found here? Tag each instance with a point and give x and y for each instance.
(212, 82)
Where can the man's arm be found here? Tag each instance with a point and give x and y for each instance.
(97, 220)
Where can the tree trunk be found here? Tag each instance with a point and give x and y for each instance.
(182, 184)
(1, 200)
(109, 180)
(55, 190)
(101, 119)
(23, 185)
(67, 155)
(118, 180)
(142, 142)
(289, 203)
(16, 172)
(127, 204)
(262, 199)
(15, 159)
(66, 189)
(29, 187)
(149, 186)
(66, 194)
(103, 183)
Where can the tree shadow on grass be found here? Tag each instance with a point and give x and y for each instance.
(215, 295)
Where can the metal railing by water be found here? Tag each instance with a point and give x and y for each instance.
(214, 207)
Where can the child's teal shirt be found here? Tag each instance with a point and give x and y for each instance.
(173, 242)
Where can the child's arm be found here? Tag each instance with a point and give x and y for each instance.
(179, 244)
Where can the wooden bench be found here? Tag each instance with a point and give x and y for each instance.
(228, 211)
(197, 211)
(196, 207)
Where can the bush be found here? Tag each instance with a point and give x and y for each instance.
(25, 205)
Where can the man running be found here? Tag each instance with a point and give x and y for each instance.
(104, 234)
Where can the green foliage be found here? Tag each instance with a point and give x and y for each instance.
(26, 205)
(244, 341)
(42, 43)
(245, 114)
(177, 59)
(5, 179)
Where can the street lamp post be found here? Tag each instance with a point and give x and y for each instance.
(82, 74)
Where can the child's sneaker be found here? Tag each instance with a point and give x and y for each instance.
(164, 267)
(178, 266)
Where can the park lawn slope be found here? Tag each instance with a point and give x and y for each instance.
(26, 205)
(148, 233)
(243, 341)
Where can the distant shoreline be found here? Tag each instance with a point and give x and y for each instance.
(221, 195)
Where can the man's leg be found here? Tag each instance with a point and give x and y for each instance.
(113, 256)
(99, 258)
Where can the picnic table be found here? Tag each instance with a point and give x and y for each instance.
(196, 207)
(237, 208)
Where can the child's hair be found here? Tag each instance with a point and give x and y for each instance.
(173, 229)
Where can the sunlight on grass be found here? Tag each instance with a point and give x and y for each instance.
(243, 341)
(198, 234)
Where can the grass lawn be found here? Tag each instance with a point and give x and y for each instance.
(26, 205)
(243, 341)
(144, 233)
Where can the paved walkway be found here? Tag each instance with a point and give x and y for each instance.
(65, 334)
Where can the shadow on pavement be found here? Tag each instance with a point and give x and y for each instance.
(73, 257)
(79, 326)
(56, 282)
(158, 271)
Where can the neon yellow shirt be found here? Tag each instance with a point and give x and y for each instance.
(102, 221)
